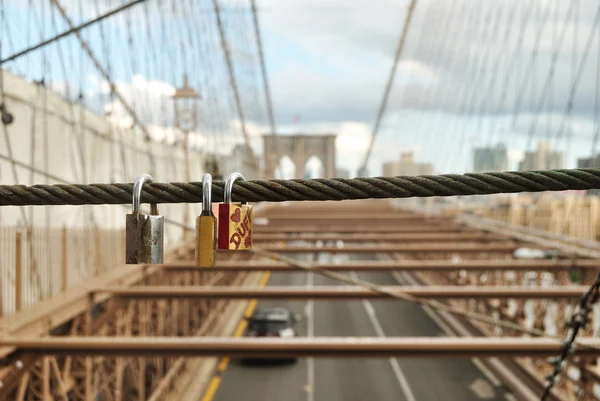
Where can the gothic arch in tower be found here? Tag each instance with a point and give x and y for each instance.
(299, 148)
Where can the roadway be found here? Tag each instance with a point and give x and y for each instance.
(319, 379)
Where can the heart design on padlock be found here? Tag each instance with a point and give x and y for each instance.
(236, 216)
(248, 240)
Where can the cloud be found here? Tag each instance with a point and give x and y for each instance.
(515, 155)
(150, 98)
(458, 81)
(345, 53)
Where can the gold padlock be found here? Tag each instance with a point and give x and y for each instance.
(206, 227)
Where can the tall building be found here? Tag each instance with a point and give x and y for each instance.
(542, 158)
(406, 166)
(490, 159)
(589, 162)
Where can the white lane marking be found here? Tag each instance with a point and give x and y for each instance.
(402, 381)
(406, 278)
(486, 372)
(482, 389)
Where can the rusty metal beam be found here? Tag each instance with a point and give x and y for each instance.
(73, 302)
(522, 234)
(404, 248)
(367, 228)
(300, 217)
(10, 377)
(398, 265)
(342, 292)
(517, 230)
(302, 347)
(404, 237)
(167, 381)
(380, 205)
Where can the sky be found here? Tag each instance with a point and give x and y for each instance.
(473, 72)
(348, 50)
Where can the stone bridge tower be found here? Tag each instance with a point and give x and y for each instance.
(299, 148)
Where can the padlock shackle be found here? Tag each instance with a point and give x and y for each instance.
(137, 191)
(207, 193)
(229, 185)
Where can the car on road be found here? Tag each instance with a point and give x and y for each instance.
(271, 322)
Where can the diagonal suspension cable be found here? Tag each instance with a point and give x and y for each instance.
(441, 94)
(389, 84)
(489, 25)
(370, 286)
(549, 76)
(441, 22)
(71, 30)
(530, 69)
(577, 78)
(234, 86)
(113, 88)
(263, 67)
(592, 159)
(577, 322)
(510, 71)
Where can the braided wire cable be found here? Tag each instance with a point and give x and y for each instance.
(576, 324)
(309, 190)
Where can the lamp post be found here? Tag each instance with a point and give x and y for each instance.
(185, 102)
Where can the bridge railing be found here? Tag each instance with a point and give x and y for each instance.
(548, 315)
(39, 263)
(575, 216)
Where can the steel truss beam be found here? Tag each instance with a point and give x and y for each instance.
(365, 228)
(80, 377)
(400, 248)
(314, 346)
(401, 265)
(355, 217)
(404, 237)
(343, 292)
(568, 246)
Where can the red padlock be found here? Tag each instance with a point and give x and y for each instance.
(235, 221)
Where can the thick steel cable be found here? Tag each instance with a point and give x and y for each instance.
(310, 190)
(576, 324)
(320, 189)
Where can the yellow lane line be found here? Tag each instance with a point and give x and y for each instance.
(216, 380)
(212, 388)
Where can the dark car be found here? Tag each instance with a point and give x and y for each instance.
(271, 322)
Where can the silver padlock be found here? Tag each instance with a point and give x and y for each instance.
(144, 232)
